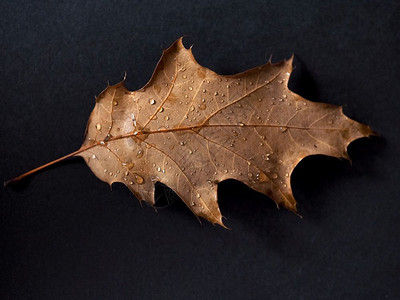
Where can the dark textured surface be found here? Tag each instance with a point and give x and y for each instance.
(64, 235)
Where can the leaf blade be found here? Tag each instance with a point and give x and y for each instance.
(191, 128)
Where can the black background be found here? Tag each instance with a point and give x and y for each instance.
(64, 235)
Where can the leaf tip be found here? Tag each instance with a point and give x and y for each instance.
(369, 132)
(289, 64)
(179, 43)
(290, 59)
(293, 209)
(220, 223)
(213, 219)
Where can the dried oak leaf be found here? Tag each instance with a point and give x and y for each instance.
(191, 128)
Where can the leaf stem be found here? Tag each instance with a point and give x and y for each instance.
(18, 178)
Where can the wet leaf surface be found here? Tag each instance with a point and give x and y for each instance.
(190, 128)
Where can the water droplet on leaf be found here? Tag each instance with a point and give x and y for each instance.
(139, 179)
(262, 177)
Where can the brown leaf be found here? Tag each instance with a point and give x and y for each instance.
(191, 128)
